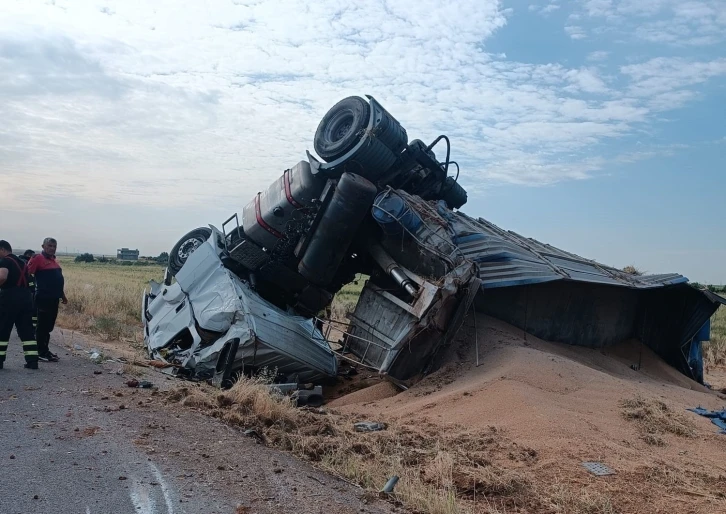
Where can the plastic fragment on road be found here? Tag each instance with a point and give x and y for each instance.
(388, 488)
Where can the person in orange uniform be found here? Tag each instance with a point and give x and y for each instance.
(49, 285)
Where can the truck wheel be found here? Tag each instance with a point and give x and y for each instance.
(186, 246)
(341, 128)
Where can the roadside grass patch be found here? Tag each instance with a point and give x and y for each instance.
(457, 471)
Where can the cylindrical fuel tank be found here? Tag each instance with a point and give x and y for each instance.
(454, 195)
(265, 219)
(351, 200)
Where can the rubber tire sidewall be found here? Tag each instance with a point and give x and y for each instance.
(175, 262)
(330, 150)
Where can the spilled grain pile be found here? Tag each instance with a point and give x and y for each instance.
(511, 434)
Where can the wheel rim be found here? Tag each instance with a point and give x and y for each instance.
(188, 247)
(340, 126)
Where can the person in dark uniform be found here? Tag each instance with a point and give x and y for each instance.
(49, 284)
(27, 255)
(16, 306)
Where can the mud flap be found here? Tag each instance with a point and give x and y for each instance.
(225, 365)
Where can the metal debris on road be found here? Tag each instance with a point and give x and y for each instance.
(369, 426)
(598, 469)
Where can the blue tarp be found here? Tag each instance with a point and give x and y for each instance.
(717, 417)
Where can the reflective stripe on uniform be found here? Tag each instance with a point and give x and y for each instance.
(30, 348)
(3, 348)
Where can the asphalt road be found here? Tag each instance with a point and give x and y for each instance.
(75, 439)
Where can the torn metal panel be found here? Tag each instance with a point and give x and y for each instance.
(210, 289)
(398, 339)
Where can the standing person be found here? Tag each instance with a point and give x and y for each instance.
(49, 285)
(16, 306)
(27, 255)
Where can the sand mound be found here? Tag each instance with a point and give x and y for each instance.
(373, 393)
(565, 402)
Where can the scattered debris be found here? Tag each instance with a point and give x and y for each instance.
(369, 426)
(143, 384)
(598, 469)
(303, 396)
(90, 431)
(97, 372)
(717, 417)
(388, 488)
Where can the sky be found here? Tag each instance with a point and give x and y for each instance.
(595, 126)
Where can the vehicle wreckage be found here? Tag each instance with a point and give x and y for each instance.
(248, 296)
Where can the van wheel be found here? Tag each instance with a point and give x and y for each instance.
(186, 246)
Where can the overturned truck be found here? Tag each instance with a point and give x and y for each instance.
(248, 296)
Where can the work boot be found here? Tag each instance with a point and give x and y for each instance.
(48, 357)
(1, 365)
(31, 365)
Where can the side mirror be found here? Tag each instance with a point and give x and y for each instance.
(167, 277)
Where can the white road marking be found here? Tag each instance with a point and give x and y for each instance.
(164, 488)
(141, 497)
(88, 509)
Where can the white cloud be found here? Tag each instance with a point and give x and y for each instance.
(124, 102)
(586, 80)
(664, 81)
(575, 32)
(544, 10)
(676, 22)
(599, 55)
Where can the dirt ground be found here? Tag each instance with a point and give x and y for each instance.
(205, 456)
(510, 435)
(558, 406)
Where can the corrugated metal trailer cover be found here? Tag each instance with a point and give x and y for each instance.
(560, 296)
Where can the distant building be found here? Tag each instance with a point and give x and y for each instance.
(124, 254)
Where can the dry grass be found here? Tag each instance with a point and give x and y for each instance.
(453, 472)
(344, 302)
(654, 418)
(714, 352)
(632, 270)
(105, 299)
(564, 500)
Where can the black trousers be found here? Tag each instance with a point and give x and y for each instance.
(16, 310)
(47, 309)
